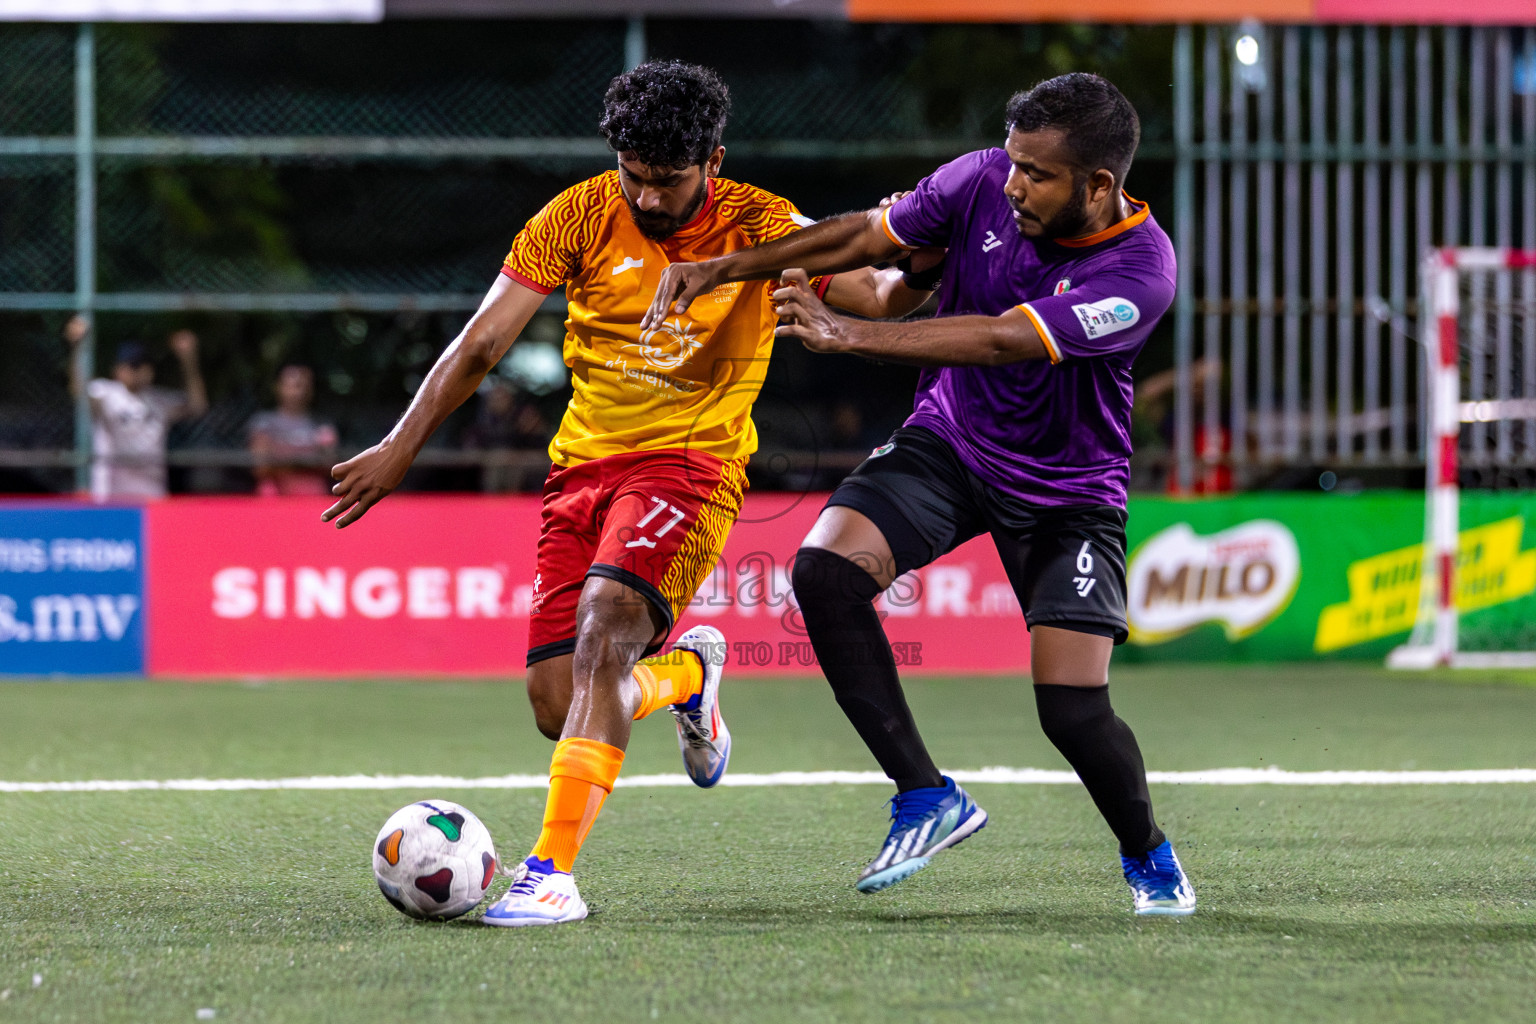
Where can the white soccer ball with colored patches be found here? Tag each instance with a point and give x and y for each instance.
(434, 860)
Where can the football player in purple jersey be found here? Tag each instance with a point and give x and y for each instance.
(1054, 278)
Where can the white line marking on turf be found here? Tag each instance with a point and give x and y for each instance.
(1001, 776)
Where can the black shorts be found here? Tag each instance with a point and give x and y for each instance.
(1066, 562)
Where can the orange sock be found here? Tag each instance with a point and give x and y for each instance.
(670, 678)
(581, 775)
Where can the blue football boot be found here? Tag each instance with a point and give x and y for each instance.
(923, 822)
(1159, 887)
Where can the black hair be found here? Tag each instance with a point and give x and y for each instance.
(667, 113)
(133, 353)
(1099, 124)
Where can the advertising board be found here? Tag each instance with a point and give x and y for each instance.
(1287, 577)
(1386, 12)
(71, 590)
(442, 586)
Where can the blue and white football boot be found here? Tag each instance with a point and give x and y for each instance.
(1159, 887)
(701, 732)
(539, 895)
(923, 822)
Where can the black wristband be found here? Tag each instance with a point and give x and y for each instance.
(924, 281)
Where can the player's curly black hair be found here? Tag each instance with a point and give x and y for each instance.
(668, 113)
(1100, 125)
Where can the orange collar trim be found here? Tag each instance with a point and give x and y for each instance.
(1114, 229)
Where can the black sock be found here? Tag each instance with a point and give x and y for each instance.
(836, 599)
(1103, 751)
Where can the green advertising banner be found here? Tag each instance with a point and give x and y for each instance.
(1286, 577)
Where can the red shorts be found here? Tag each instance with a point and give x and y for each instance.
(653, 521)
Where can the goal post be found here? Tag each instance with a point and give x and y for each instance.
(1480, 423)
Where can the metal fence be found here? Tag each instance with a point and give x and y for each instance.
(1309, 182)
(1303, 186)
(377, 192)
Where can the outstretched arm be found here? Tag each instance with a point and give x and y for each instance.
(365, 479)
(942, 341)
(830, 246)
(75, 331)
(183, 344)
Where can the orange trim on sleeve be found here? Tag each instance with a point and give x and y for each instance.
(1111, 231)
(1045, 334)
(885, 225)
(525, 282)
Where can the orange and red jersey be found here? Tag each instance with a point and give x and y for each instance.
(689, 383)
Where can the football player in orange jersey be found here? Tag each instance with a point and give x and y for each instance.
(649, 461)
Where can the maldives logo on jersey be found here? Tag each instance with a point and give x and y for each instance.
(1107, 316)
(672, 344)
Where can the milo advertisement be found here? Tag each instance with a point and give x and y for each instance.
(1296, 576)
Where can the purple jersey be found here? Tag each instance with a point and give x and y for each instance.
(1054, 432)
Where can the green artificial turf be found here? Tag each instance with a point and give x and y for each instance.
(1401, 903)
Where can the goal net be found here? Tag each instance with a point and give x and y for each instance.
(1480, 488)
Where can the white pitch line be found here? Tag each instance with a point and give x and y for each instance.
(1000, 776)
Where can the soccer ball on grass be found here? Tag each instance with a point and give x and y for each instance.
(434, 860)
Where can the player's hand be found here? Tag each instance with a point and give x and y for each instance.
(681, 283)
(806, 317)
(362, 482)
(893, 199)
(183, 344)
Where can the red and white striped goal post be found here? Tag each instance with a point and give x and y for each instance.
(1442, 286)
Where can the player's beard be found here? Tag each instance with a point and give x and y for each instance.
(1070, 220)
(659, 227)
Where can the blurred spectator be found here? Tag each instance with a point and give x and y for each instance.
(130, 416)
(292, 450)
(1154, 404)
(847, 431)
(508, 421)
(848, 436)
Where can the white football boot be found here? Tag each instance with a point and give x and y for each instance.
(701, 732)
(539, 895)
